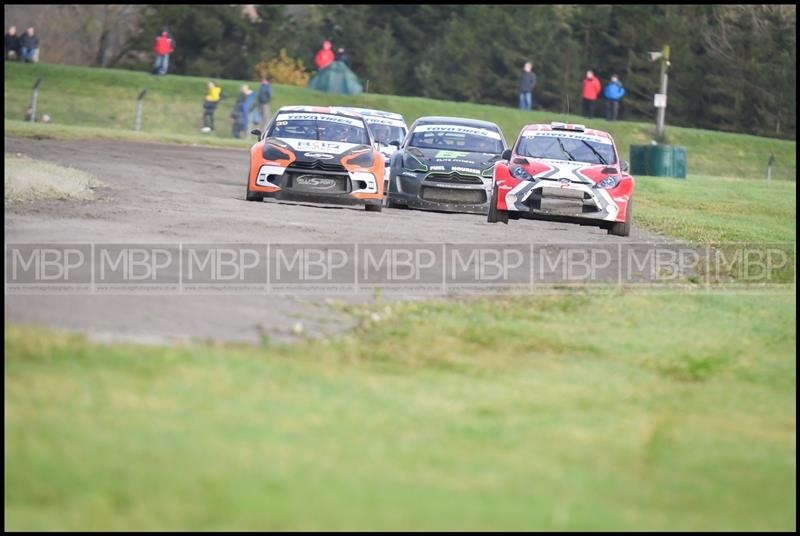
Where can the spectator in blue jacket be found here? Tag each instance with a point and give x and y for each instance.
(613, 94)
(242, 109)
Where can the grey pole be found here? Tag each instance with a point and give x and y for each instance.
(139, 100)
(769, 165)
(35, 99)
(662, 111)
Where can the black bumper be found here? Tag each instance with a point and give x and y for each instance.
(417, 192)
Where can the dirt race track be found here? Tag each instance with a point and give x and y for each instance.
(160, 194)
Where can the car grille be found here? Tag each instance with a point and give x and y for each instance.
(452, 195)
(454, 177)
(317, 165)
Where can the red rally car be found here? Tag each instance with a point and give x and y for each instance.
(563, 172)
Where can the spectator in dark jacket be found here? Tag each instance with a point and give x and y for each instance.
(341, 55)
(526, 84)
(264, 98)
(29, 46)
(613, 94)
(12, 44)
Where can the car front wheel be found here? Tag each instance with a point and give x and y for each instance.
(623, 228)
(253, 196)
(496, 215)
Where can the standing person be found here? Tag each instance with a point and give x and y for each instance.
(163, 47)
(591, 89)
(264, 98)
(210, 103)
(250, 106)
(29, 46)
(12, 44)
(341, 55)
(527, 81)
(324, 56)
(236, 114)
(241, 110)
(613, 94)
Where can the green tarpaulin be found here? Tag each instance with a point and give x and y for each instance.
(336, 78)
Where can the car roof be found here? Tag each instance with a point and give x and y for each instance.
(546, 127)
(435, 119)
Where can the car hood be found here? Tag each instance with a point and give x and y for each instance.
(545, 168)
(446, 160)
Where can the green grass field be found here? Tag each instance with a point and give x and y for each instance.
(595, 409)
(173, 105)
(657, 412)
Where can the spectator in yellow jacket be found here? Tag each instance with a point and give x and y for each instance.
(213, 97)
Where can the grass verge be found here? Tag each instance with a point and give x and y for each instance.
(173, 106)
(654, 412)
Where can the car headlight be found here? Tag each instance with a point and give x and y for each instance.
(520, 173)
(365, 159)
(488, 172)
(271, 152)
(609, 182)
(412, 164)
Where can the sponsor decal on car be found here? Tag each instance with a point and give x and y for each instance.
(373, 120)
(297, 116)
(457, 129)
(335, 147)
(565, 134)
(450, 154)
(321, 183)
(321, 156)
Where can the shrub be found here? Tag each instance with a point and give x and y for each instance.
(283, 70)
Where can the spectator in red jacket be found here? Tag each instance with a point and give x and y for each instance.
(325, 55)
(591, 90)
(162, 48)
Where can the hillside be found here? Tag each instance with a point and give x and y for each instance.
(173, 105)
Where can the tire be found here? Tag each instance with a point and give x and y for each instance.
(373, 208)
(495, 215)
(251, 196)
(623, 228)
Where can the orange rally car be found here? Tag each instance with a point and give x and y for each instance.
(316, 154)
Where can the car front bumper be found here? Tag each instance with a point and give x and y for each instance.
(419, 190)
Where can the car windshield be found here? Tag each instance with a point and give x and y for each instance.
(454, 137)
(309, 126)
(557, 146)
(386, 134)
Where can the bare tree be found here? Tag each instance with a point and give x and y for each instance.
(95, 35)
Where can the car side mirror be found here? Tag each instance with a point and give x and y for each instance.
(256, 132)
(506, 154)
(624, 166)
